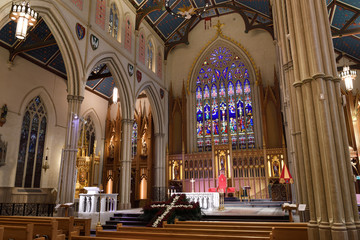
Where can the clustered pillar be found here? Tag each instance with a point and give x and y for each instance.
(159, 189)
(319, 137)
(125, 163)
(68, 164)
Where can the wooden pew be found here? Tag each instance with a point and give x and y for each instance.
(84, 225)
(192, 231)
(219, 227)
(100, 238)
(173, 236)
(1, 232)
(66, 224)
(283, 233)
(41, 227)
(272, 224)
(24, 232)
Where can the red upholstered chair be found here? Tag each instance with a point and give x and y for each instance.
(230, 190)
(212, 190)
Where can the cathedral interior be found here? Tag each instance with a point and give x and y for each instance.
(144, 98)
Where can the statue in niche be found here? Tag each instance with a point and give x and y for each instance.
(276, 169)
(143, 146)
(176, 172)
(112, 145)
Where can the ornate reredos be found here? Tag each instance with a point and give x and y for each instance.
(236, 48)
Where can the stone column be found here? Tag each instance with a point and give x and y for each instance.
(326, 161)
(125, 163)
(67, 178)
(159, 190)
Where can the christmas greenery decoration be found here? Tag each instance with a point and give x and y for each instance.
(176, 207)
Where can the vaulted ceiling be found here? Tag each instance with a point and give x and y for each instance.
(41, 48)
(174, 30)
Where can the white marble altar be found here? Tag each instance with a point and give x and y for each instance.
(207, 200)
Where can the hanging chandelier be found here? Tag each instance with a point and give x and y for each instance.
(24, 16)
(186, 11)
(348, 76)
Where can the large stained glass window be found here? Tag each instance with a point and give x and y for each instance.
(31, 149)
(224, 111)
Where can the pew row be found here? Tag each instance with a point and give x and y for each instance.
(1, 232)
(191, 231)
(66, 224)
(24, 232)
(40, 228)
(283, 233)
(214, 223)
(151, 234)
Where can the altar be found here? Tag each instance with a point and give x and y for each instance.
(207, 200)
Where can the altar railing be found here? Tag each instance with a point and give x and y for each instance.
(207, 200)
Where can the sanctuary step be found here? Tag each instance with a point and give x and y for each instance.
(244, 218)
(235, 202)
(128, 219)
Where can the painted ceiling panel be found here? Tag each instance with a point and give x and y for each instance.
(155, 15)
(42, 30)
(170, 23)
(262, 6)
(201, 3)
(355, 3)
(221, 1)
(58, 64)
(328, 1)
(138, 1)
(174, 38)
(209, 13)
(350, 45)
(92, 83)
(43, 54)
(7, 33)
(106, 86)
(341, 16)
(224, 10)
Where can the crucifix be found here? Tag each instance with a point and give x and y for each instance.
(192, 184)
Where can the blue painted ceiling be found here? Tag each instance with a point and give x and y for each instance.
(344, 16)
(40, 46)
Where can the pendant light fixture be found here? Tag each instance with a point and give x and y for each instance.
(24, 16)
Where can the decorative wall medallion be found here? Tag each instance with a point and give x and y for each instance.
(94, 41)
(80, 31)
(162, 92)
(138, 75)
(130, 69)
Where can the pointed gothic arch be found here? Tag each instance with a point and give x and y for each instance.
(49, 11)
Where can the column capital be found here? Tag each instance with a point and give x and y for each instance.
(159, 134)
(337, 79)
(297, 84)
(318, 75)
(74, 97)
(306, 80)
(127, 121)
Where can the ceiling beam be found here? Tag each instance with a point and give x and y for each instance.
(343, 33)
(355, 66)
(99, 76)
(37, 45)
(350, 21)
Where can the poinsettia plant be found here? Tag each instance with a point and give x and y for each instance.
(176, 207)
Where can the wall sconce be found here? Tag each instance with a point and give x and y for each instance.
(46, 165)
